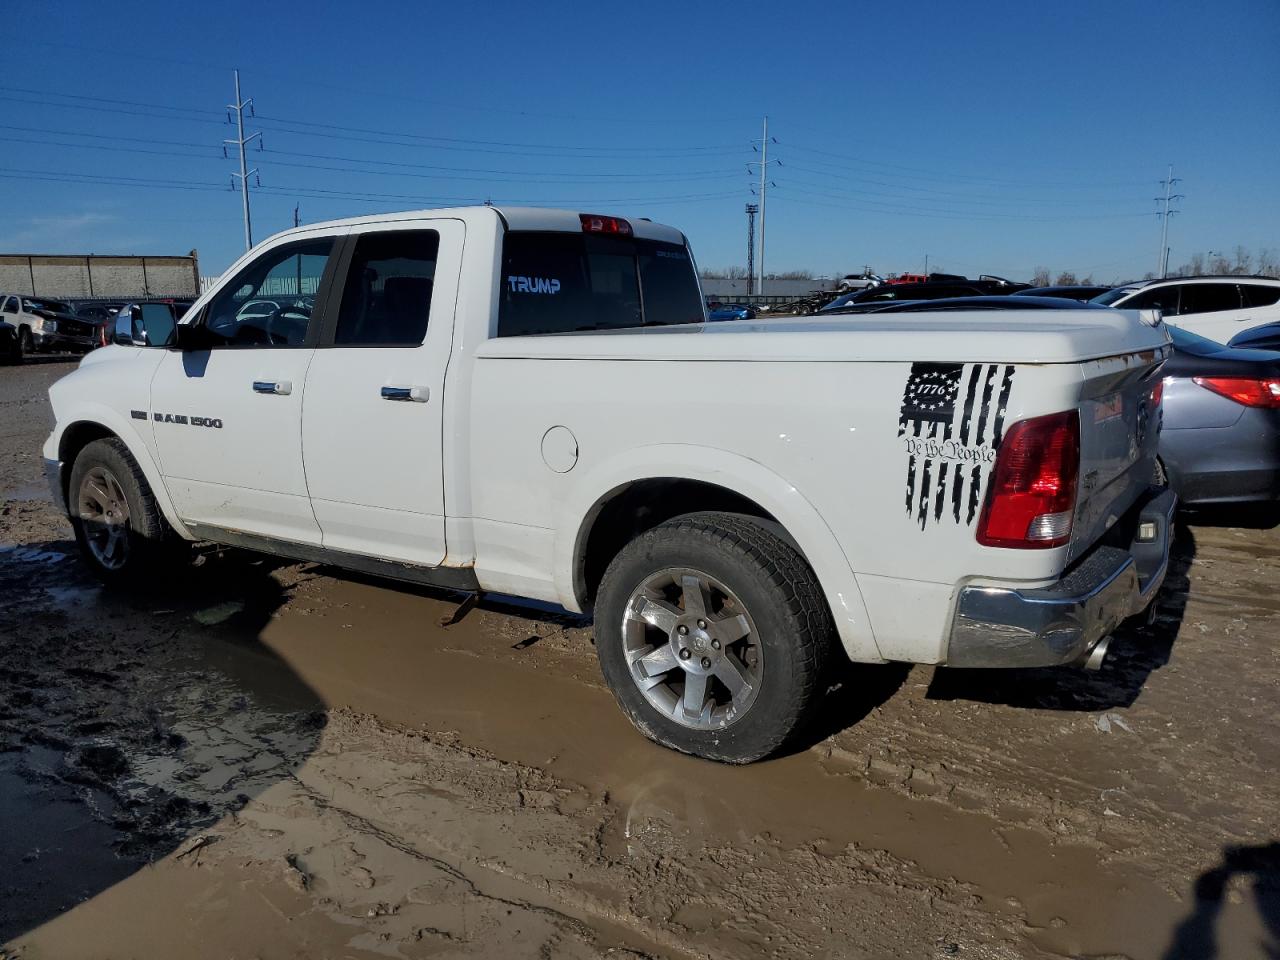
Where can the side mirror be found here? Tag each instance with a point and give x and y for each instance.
(125, 334)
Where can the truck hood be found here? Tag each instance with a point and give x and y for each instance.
(1006, 336)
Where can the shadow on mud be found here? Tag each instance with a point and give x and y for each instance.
(1137, 651)
(1257, 869)
(124, 728)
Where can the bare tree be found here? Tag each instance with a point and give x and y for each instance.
(1268, 265)
(1041, 277)
(1244, 262)
(1066, 279)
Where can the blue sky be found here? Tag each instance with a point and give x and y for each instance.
(992, 136)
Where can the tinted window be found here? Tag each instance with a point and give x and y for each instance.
(669, 283)
(270, 302)
(565, 282)
(1209, 297)
(11, 305)
(1158, 298)
(387, 296)
(1260, 295)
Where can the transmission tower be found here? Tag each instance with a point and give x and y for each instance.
(240, 142)
(1169, 196)
(752, 209)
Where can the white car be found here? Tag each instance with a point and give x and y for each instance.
(851, 282)
(1218, 308)
(531, 402)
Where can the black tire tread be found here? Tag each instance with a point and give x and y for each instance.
(145, 516)
(802, 597)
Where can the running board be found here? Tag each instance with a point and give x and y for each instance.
(450, 578)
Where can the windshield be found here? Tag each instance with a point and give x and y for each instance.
(1111, 296)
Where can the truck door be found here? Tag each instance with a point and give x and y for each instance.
(226, 410)
(373, 414)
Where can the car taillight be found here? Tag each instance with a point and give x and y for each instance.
(1032, 498)
(1157, 392)
(594, 223)
(1244, 390)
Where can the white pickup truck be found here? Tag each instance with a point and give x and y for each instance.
(530, 402)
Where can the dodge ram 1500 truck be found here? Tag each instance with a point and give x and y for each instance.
(530, 402)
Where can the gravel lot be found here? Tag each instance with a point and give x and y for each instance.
(253, 758)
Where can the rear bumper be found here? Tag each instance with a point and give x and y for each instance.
(1062, 623)
(1239, 463)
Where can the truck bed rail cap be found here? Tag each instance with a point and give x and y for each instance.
(1007, 336)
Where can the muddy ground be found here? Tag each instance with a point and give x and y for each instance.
(265, 759)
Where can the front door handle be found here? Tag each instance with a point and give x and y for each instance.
(280, 387)
(414, 394)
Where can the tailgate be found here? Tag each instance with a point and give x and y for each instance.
(1119, 435)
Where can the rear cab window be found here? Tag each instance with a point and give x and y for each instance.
(555, 282)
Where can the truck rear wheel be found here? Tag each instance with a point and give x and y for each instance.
(117, 522)
(713, 635)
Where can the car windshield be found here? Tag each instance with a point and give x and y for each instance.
(1111, 296)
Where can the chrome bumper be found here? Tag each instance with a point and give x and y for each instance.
(53, 476)
(1062, 623)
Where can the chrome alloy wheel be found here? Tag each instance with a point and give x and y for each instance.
(104, 514)
(692, 649)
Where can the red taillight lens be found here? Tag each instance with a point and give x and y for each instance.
(1157, 393)
(594, 223)
(1032, 497)
(1251, 393)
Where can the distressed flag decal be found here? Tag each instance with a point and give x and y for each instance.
(951, 421)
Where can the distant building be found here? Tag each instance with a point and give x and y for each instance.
(70, 277)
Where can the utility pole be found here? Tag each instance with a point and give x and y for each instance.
(1169, 197)
(297, 220)
(926, 266)
(764, 162)
(752, 210)
(241, 141)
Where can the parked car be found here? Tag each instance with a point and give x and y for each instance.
(732, 311)
(1221, 437)
(906, 291)
(1217, 308)
(737, 503)
(1066, 292)
(1265, 337)
(908, 278)
(46, 326)
(852, 281)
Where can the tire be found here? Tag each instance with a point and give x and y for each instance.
(750, 580)
(120, 546)
(26, 344)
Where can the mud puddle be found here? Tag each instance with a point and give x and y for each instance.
(379, 650)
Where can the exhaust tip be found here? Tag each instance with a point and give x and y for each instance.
(1099, 653)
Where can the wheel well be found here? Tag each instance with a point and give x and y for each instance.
(74, 439)
(630, 510)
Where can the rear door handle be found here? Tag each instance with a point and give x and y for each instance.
(281, 387)
(413, 394)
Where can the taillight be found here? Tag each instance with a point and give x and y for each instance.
(1250, 392)
(1157, 392)
(1032, 497)
(594, 223)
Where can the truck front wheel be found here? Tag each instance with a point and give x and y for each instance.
(117, 522)
(713, 633)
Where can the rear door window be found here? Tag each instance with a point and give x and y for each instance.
(1260, 295)
(387, 297)
(1209, 298)
(566, 283)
